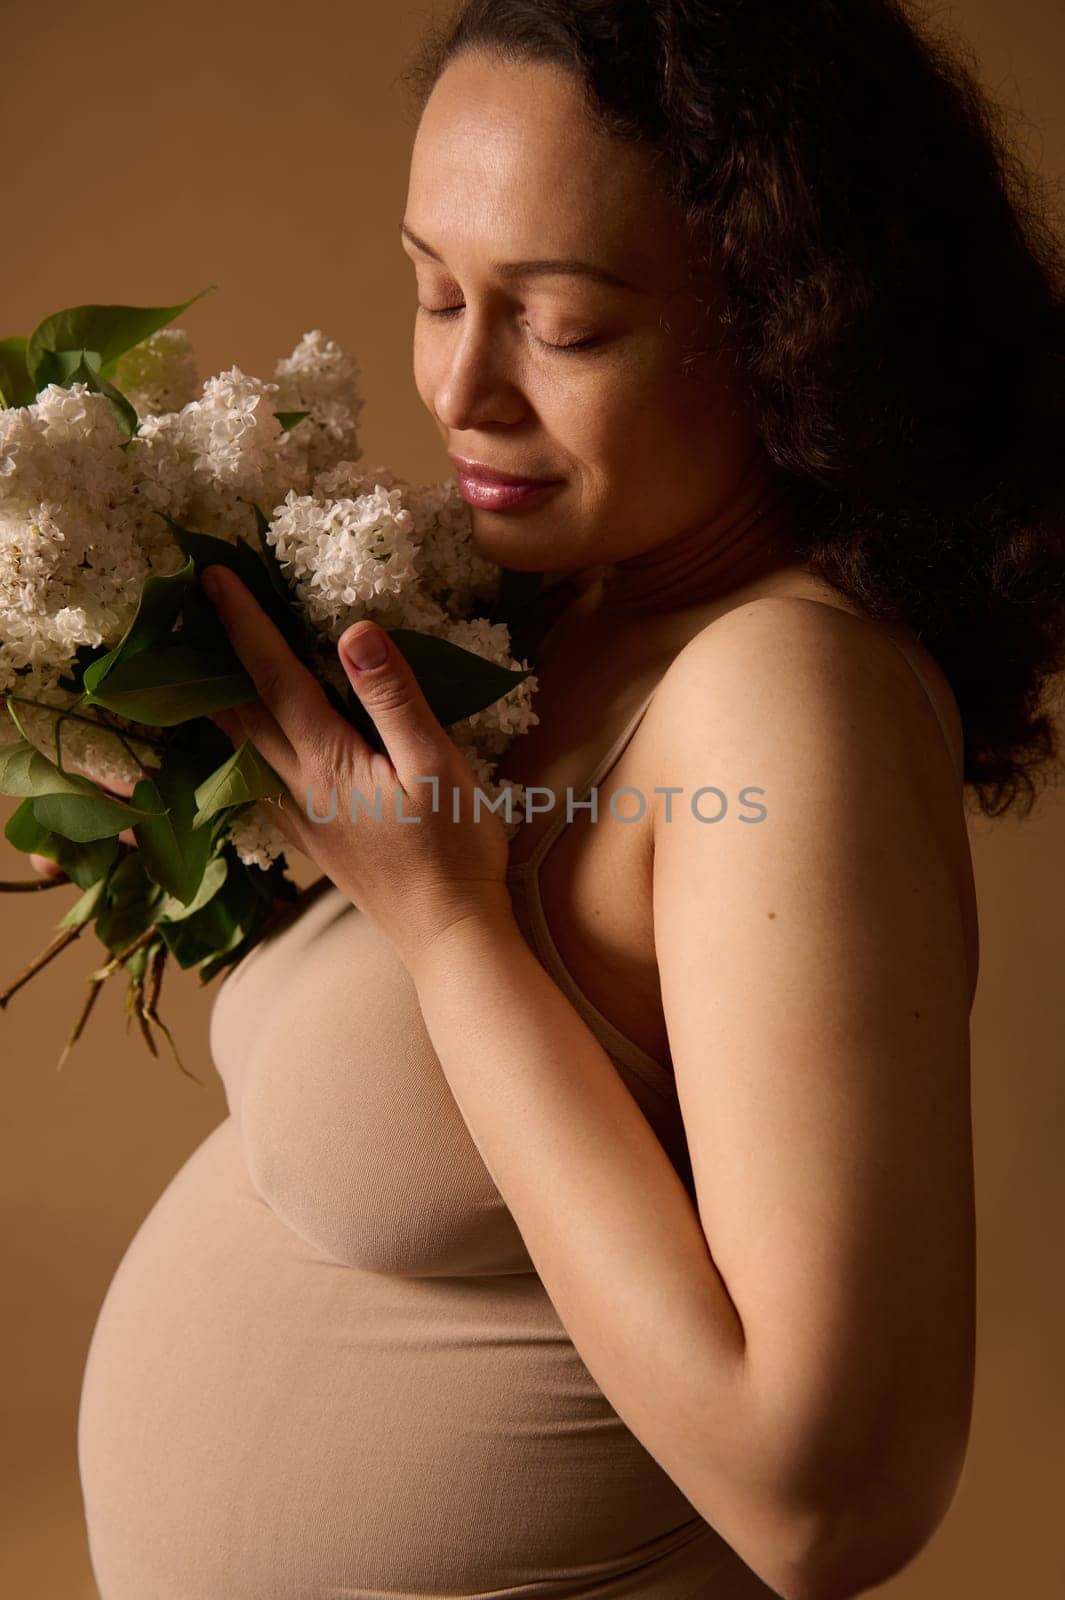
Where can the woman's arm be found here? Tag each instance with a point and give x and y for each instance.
(798, 1357)
(605, 1218)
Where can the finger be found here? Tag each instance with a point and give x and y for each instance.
(385, 684)
(46, 866)
(230, 724)
(290, 700)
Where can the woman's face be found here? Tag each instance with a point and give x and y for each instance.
(507, 168)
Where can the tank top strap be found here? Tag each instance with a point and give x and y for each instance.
(651, 1080)
(602, 767)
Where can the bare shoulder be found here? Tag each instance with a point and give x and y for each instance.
(785, 666)
(809, 715)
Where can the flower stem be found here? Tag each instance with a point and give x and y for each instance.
(28, 885)
(90, 1001)
(59, 943)
(116, 961)
(94, 722)
(151, 1005)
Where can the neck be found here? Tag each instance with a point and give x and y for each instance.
(749, 539)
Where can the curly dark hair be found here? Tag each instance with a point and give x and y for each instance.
(894, 289)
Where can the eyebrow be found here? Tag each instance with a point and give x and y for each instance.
(537, 269)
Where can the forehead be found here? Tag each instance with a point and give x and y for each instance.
(506, 159)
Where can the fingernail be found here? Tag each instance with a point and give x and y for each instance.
(210, 582)
(367, 649)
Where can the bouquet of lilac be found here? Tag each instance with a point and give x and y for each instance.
(121, 478)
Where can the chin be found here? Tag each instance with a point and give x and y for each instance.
(511, 547)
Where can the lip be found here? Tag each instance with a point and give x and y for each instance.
(481, 473)
(500, 496)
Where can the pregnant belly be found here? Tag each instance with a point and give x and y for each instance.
(260, 1422)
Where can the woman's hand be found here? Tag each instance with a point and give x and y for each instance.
(417, 871)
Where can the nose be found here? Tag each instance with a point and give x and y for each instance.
(475, 382)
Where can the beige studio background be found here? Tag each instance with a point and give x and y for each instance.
(151, 150)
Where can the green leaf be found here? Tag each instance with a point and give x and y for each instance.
(174, 910)
(455, 682)
(151, 627)
(16, 385)
(253, 571)
(158, 843)
(24, 770)
(84, 864)
(201, 627)
(110, 330)
(83, 817)
(25, 832)
(58, 366)
(274, 570)
(63, 802)
(289, 419)
(271, 887)
(164, 687)
(132, 902)
(211, 966)
(84, 908)
(220, 925)
(245, 776)
(175, 852)
(128, 881)
(67, 367)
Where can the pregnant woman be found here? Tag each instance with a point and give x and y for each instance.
(594, 1212)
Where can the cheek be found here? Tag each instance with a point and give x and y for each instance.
(422, 367)
(642, 429)
(664, 447)
(695, 425)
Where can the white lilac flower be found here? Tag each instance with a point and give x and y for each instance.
(86, 746)
(48, 605)
(159, 374)
(452, 569)
(321, 378)
(206, 464)
(66, 443)
(162, 459)
(346, 557)
(71, 565)
(348, 479)
(451, 565)
(240, 453)
(256, 838)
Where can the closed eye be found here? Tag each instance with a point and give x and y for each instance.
(573, 344)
